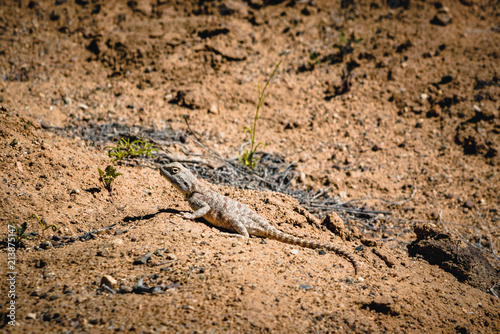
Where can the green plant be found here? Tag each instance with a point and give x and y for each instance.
(345, 45)
(248, 157)
(124, 149)
(108, 176)
(20, 232)
(43, 224)
(314, 57)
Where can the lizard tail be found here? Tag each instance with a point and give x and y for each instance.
(290, 239)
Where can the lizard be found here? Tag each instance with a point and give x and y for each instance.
(229, 214)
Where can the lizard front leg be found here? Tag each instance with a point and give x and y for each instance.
(199, 205)
(197, 214)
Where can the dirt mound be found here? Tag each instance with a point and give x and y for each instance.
(458, 257)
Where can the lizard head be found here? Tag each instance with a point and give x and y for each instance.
(180, 177)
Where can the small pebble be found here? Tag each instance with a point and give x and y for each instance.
(442, 18)
(31, 316)
(46, 245)
(171, 257)
(469, 204)
(109, 281)
(142, 259)
(125, 289)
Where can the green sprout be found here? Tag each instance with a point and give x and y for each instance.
(125, 149)
(44, 224)
(345, 45)
(20, 232)
(314, 57)
(247, 158)
(108, 176)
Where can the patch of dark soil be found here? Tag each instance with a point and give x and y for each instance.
(454, 255)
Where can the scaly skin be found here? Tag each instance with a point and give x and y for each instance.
(229, 214)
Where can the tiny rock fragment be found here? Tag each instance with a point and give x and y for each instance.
(19, 166)
(109, 281)
(46, 245)
(469, 204)
(142, 259)
(171, 257)
(141, 288)
(442, 18)
(31, 316)
(125, 289)
(213, 109)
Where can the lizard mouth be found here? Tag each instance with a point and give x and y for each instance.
(164, 173)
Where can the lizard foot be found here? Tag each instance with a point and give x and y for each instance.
(226, 234)
(185, 215)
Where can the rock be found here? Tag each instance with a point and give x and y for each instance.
(110, 281)
(190, 99)
(142, 259)
(334, 223)
(484, 114)
(305, 287)
(171, 257)
(213, 109)
(46, 245)
(125, 289)
(454, 255)
(442, 18)
(31, 316)
(469, 204)
(141, 288)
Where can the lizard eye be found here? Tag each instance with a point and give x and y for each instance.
(175, 170)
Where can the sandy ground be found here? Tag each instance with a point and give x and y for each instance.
(417, 110)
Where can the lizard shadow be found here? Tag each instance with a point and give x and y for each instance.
(198, 220)
(129, 219)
